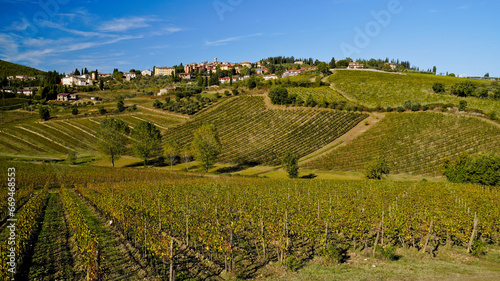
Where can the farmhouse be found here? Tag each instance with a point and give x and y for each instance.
(66, 97)
(146, 72)
(130, 75)
(355, 65)
(186, 76)
(167, 90)
(160, 71)
(270, 76)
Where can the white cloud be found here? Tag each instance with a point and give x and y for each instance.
(230, 39)
(9, 45)
(19, 25)
(124, 24)
(69, 30)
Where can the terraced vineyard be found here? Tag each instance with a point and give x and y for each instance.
(249, 131)
(58, 137)
(414, 143)
(319, 94)
(374, 89)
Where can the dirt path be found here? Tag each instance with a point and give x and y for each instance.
(117, 260)
(52, 259)
(163, 112)
(346, 138)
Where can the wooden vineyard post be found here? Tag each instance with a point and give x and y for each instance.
(474, 233)
(376, 239)
(172, 277)
(427, 238)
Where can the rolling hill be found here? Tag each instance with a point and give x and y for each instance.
(373, 89)
(414, 143)
(12, 69)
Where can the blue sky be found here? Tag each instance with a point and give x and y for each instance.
(456, 36)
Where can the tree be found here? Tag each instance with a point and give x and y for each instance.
(377, 169)
(44, 113)
(71, 157)
(463, 89)
(74, 110)
(496, 95)
(101, 110)
(171, 151)
(101, 84)
(332, 63)
(323, 68)
(434, 70)
(112, 138)
(186, 154)
(206, 145)
(278, 95)
(77, 72)
(438, 87)
(147, 142)
(120, 106)
(290, 162)
(482, 169)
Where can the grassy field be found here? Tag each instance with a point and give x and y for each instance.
(414, 143)
(374, 89)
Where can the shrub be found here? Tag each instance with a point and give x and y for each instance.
(438, 87)
(292, 263)
(387, 252)
(415, 107)
(462, 105)
(334, 254)
(377, 169)
(481, 169)
(71, 158)
(479, 248)
(425, 107)
(74, 110)
(389, 109)
(291, 164)
(400, 109)
(227, 93)
(278, 95)
(101, 110)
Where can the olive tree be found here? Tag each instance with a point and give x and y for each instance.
(147, 141)
(112, 138)
(206, 145)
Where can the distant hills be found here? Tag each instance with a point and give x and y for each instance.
(12, 69)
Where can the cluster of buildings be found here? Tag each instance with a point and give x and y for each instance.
(359, 65)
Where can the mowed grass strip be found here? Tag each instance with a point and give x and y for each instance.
(414, 143)
(52, 258)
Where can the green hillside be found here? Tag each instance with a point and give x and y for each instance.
(373, 89)
(12, 69)
(58, 137)
(414, 143)
(249, 131)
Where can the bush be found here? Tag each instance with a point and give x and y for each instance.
(387, 252)
(482, 169)
(71, 157)
(101, 110)
(227, 93)
(377, 169)
(478, 248)
(462, 105)
(400, 109)
(334, 254)
(292, 263)
(278, 95)
(74, 111)
(291, 164)
(438, 88)
(389, 109)
(425, 107)
(44, 113)
(415, 107)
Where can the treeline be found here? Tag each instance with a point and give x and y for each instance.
(468, 89)
(482, 169)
